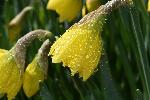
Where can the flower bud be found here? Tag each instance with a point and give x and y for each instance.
(36, 71)
(16, 24)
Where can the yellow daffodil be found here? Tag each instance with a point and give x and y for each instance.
(92, 5)
(80, 47)
(16, 24)
(13, 62)
(149, 5)
(10, 75)
(36, 71)
(67, 9)
(2, 51)
(33, 76)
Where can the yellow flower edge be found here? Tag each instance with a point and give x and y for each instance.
(67, 10)
(80, 49)
(3, 51)
(10, 76)
(32, 78)
(92, 4)
(149, 5)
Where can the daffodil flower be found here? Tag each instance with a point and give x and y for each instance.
(15, 26)
(13, 63)
(92, 5)
(67, 9)
(36, 71)
(80, 47)
(10, 76)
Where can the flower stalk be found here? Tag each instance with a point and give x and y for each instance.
(20, 48)
(43, 57)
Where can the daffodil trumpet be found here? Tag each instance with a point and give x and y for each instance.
(80, 47)
(67, 10)
(36, 71)
(13, 63)
(92, 5)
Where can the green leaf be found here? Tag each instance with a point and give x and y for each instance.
(141, 53)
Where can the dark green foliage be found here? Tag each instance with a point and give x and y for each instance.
(124, 71)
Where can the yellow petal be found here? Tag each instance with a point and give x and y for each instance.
(148, 5)
(11, 79)
(32, 78)
(67, 9)
(92, 4)
(3, 51)
(84, 11)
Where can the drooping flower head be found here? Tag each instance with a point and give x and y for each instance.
(13, 63)
(67, 9)
(36, 71)
(80, 47)
(15, 26)
(10, 76)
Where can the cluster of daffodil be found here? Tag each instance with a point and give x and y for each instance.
(12, 66)
(70, 9)
(79, 48)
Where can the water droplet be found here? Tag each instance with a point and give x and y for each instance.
(40, 80)
(87, 56)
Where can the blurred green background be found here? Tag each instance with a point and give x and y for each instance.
(124, 72)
